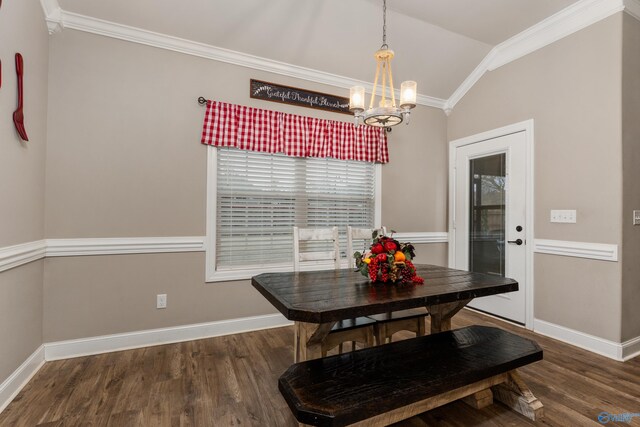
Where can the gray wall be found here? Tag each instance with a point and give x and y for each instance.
(124, 160)
(631, 177)
(572, 89)
(22, 29)
(414, 182)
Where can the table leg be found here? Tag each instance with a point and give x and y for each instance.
(441, 314)
(308, 339)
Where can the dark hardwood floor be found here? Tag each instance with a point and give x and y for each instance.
(232, 381)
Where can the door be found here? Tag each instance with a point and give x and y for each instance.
(489, 218)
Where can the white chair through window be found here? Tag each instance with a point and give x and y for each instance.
(387, 324)
(309, 248)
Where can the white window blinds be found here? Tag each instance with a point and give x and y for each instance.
(261, 196)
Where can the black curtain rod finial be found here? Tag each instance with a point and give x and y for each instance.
(202, 100)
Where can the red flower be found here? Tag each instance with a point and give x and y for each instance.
(390, 246)
(377, 248)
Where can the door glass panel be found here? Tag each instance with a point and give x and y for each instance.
(487, 215)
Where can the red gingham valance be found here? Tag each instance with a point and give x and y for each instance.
(247, 128)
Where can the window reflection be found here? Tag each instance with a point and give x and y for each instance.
(487, 214)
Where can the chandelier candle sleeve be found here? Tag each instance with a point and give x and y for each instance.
(408, 93)
(356, 98)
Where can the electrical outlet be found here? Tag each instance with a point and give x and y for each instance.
(636, 217)
(161, 301)
(563, 216)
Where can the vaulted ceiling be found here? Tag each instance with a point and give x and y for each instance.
(438, 43)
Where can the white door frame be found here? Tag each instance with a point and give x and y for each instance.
(526, 127)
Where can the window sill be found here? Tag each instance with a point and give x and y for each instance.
(227, 275)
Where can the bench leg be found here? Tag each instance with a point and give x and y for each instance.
(516, 395)
(479, 400)
(379, 333)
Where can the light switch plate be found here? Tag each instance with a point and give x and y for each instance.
(563, 216)
(636, 217)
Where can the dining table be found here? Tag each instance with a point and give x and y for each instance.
(316, 300)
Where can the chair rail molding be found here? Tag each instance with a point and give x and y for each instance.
(16, 255)
(597, 251)
(124, 245)
(423, 237)
(564, 23)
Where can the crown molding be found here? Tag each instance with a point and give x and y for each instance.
(52, 15)
(64, 19)
(469, 82)
(632, 7)
(562, 24)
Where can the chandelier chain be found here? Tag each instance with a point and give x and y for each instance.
(384, 25)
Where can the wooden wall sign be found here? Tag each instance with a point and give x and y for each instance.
(296, 96)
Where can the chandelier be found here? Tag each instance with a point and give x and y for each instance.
(386, 113)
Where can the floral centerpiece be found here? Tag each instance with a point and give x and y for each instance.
(388, 260)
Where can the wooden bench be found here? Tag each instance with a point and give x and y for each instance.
(382, 385)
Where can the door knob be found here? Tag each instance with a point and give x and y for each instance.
(517, 241)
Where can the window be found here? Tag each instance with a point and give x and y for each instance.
(255, 199)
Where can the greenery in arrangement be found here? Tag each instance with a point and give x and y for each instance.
(388, 260)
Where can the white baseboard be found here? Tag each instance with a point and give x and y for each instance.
(610, 349)
(10, 388)
(631, 349)
(108, 343)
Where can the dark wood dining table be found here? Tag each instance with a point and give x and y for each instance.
(316, 300)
